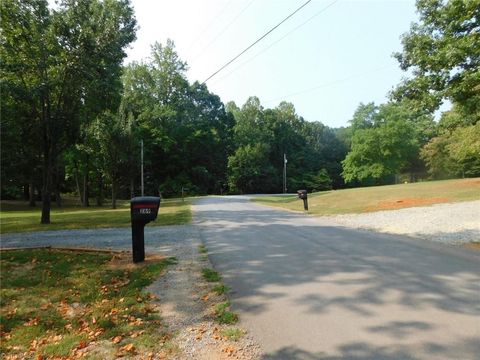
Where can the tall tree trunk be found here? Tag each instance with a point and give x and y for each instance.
(26, 192)
(114, 195)
(77, 182)
(85, 187)
(47, 159)
(100, 195)
(46, 189)
(58, 198)
(31, 194)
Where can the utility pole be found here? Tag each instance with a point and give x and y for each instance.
(141, 164)
(284, 173)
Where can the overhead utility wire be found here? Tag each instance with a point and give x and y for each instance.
(257, 41)
(330, 83)
(210, 24)
(221, 32)
(276, 42)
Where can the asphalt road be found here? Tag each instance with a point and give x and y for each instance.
(307, 289)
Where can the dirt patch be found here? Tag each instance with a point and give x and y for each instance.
(124, 261)
(473, 246)
(405, 203)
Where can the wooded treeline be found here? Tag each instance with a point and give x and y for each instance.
(73, 117)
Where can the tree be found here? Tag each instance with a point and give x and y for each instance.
(443, 52)
(250, 170)
(60, 60)
(111, 134)
(389, 145)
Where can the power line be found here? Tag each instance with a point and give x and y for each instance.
(283, 37)
(329, 83)
(210, 24)
(257, 41)
(221, 32)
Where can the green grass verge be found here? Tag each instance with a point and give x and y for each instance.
(220, 289)
(223, 315)
(361, 200)
(233, 334)
(18, 217)
(211, 275)
(59, 303)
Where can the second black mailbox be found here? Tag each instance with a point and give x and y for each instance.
(302, 194)
(142, 210)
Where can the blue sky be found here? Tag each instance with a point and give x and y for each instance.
(326, 67)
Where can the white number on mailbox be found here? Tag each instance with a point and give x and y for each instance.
(145, 211)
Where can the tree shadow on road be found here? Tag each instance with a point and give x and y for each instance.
(263, 254)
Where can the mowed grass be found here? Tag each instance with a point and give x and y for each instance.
(16, 216)
(361, 200)
(59, 304)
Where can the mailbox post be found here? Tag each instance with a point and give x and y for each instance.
(142, 210)
(302, 194)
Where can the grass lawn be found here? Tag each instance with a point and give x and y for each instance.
(361, 200)
(16, 216)
(59, 304)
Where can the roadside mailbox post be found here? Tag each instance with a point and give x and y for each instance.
(302, 194)
(142, 210)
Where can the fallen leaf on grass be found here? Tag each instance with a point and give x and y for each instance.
(82, 345)
(57, 338)
(137, 333)
(12, 312)
(128, 348)
(32, 322)
(117, 339)
(205, 297)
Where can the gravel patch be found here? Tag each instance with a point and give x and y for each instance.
(454, 223)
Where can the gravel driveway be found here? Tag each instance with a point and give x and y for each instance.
(157, 238)
(454, 223)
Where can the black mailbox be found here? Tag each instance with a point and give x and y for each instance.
(302, 194)
(142, 210)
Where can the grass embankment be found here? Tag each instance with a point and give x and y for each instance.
(361, 200)
(59, 304)
(16, 216)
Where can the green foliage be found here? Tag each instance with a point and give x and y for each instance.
(319, 181)
(186, 131)
(442, 52)
(262, 136)
(250, 169)
(387, 142)
(454, 153)
(60, 68)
